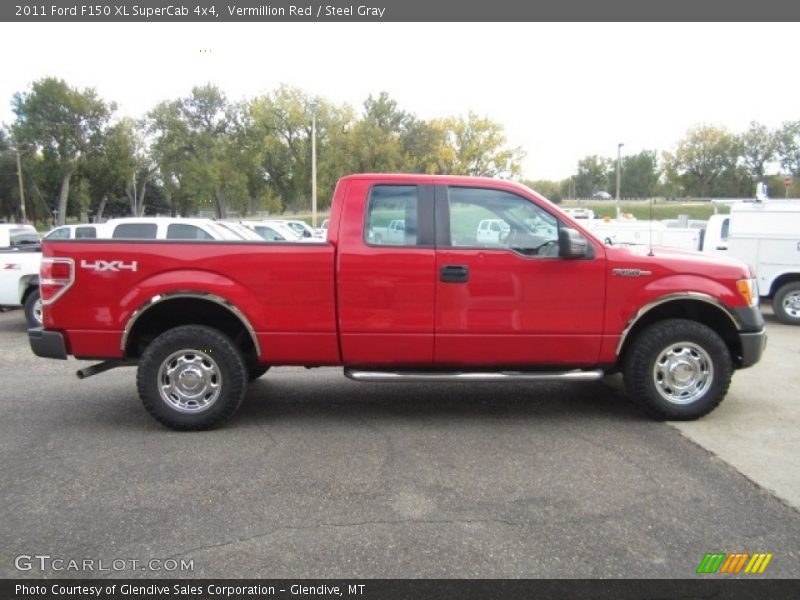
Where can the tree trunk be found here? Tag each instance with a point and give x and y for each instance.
(131, 200)
(62, 198)
(222, 212)
(98, 217)
(140, 200)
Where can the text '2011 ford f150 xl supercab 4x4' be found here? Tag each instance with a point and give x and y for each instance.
(438, 302)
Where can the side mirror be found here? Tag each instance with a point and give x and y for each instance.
(572, 244)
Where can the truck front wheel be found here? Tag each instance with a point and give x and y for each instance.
(678, 369)
(191, 377)
(786, 303)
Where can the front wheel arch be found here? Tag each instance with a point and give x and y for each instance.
(692, 309)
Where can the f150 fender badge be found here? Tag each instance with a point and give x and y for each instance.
(109, 265)
(630, 273)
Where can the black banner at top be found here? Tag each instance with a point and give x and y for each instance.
(331, 11)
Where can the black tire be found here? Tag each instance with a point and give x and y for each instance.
(33, 308)
(677, 369)
(255, 371)
(786, 303)
(191, 377)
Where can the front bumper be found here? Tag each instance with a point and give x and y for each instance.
(752, 335)
(47, 344)
(753, 344)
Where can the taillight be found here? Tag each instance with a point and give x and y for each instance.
(56, 275)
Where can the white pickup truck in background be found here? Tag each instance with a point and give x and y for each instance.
(20, 257)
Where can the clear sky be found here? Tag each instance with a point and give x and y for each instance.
(562, 91)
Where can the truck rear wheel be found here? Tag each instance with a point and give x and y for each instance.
(191, 377)
(33, 308)
(786, 303)
(678, 369)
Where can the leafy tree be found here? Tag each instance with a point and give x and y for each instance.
(64, 123)
(703, 158)
(196, 151)
(640, 175)
(478, 147)
(592, 175)
(554, 191)
(376, 141)
(111, 167)
(9, 186)
(758, 146)
(280, 129)
(788, 142)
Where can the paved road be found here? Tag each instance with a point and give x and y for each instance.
(757, 428)
(318, 476)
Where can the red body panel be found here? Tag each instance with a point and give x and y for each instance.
(516, 310)
(285, 291)
(347, 302)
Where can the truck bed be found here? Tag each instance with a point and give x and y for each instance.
(285, 291)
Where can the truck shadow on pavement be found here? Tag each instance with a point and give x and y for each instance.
(282, 400)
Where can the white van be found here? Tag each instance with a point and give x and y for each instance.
(765, 235)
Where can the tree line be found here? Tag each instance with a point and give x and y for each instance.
(708, 162)
(78, 158)
(204, 151)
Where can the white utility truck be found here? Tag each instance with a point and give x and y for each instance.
(765, 235)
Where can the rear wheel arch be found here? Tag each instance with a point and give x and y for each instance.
(166, 311)
(781, 281)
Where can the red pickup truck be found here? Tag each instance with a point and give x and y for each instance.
(543, 299)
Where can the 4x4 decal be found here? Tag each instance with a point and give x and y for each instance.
(109, 265)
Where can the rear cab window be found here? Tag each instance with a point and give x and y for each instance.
(392, 216)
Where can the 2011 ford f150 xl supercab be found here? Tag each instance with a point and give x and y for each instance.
(540, 302)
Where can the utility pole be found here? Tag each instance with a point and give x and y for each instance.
(619, 165)
(21, 189)
(314, 104)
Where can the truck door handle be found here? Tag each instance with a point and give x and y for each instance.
(454, 274)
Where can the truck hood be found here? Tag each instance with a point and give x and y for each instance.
(677, 260)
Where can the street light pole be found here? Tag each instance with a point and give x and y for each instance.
(313, 106)
(619, 164)
(21, 189)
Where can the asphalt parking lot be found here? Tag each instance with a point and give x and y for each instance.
(318, 476)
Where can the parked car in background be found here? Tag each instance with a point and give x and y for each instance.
(301, 228)
(601, 196)
(492, 231)
(166, 228)
(580, 213)
(242, 231)
(322, 231)
(273, 231)
(20, 259)
(74, 232)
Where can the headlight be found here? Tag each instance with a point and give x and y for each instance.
(748, 288)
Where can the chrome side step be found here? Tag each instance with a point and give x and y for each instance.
(427, 376)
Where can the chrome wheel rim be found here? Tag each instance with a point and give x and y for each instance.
(38, 313)
(791, 304)
(189, 381)
(682, 373)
